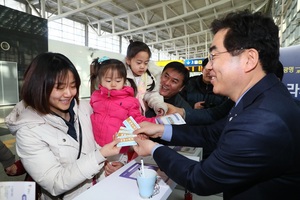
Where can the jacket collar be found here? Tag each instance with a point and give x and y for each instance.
(124, 92)
(264, 84)
(129, 72)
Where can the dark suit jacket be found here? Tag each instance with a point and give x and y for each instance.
(257, 155)
(208, 115)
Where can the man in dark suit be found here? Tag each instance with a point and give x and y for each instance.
(257, 148)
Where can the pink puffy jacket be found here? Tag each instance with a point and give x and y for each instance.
(110, 109)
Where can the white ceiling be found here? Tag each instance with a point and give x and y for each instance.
(179, 27)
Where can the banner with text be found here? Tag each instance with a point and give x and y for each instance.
(289, 57)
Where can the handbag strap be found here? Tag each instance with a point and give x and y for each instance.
(80, 139)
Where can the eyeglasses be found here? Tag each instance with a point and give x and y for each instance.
(211, 56)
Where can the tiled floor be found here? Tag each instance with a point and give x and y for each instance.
(9, 140)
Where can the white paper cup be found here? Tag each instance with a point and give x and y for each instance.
(146, 183)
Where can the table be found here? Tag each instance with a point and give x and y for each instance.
(122, 185)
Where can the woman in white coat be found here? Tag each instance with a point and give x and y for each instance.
(54, 137)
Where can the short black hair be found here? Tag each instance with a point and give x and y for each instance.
(251, 30)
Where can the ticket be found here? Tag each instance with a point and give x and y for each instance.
(131, 124)
(125, 134)
(126, 142)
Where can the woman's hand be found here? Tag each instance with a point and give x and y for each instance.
(111, 149)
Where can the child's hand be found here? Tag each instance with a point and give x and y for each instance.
(160, 112)
(111, 167)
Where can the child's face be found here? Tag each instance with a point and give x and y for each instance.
(139, 63)
(112, 81)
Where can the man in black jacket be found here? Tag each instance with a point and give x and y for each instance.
(198, 91)
(172, 80)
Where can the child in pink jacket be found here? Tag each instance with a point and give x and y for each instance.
(112, 102)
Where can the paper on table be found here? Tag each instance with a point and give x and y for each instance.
(17, 190)
(170, 119)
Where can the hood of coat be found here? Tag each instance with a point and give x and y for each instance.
(22, 116)
(124, 92)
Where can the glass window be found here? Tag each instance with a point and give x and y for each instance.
(104, 40)
(124, 45)
(67, 31)
(14, 5)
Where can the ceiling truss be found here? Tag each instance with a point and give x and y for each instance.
(179, 27)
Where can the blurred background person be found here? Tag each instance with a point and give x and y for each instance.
(198, 91)
(7, 159)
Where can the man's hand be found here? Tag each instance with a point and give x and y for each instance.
(199, 105)
(144, 146)
(150, 129)
(173, 109)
